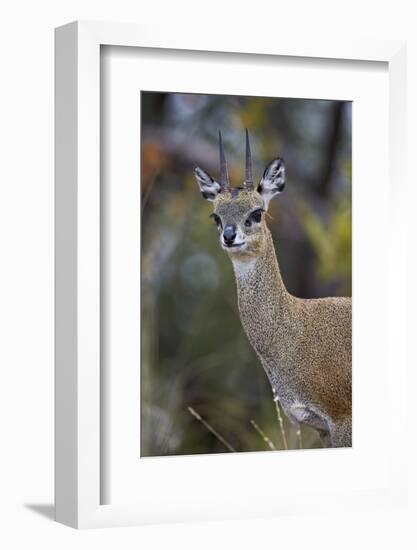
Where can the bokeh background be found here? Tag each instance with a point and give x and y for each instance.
(194, 351)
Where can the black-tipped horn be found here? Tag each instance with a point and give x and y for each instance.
(248, 170)
(224, 176)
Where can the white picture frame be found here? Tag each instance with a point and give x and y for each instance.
(78, 406)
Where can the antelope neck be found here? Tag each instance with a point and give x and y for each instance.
(259, 282)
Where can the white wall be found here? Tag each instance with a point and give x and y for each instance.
(26, 286)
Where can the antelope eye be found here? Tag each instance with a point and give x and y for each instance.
(255, 216)
(216, 219)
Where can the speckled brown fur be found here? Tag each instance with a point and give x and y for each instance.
(305, 345)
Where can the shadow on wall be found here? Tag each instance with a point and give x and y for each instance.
(45, 510)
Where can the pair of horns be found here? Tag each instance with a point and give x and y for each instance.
(224, 175)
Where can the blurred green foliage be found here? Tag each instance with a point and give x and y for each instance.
(194, 351)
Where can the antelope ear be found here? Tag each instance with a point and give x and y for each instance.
(208, 186)
(273, 180)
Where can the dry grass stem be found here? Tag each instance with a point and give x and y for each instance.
(299, 436)
(281, 425)
(263, 435)
(210, 428)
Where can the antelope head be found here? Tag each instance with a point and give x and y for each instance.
(239, 212)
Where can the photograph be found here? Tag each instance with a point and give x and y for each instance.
(246, 273)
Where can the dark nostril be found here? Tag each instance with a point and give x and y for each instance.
(229, 233)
